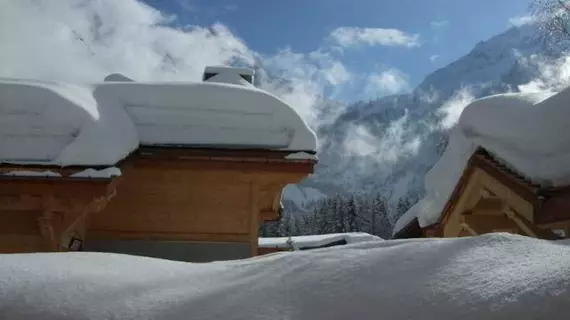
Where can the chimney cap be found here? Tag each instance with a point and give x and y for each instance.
(239, 76)
(220, 69)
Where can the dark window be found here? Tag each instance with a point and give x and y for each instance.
(208, 76)
(247, 78)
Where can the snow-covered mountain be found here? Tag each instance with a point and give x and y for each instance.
(390, 143)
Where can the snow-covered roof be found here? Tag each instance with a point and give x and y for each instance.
(100, 124)
(526, 131)
(314, 241)
(496, 276)
(63, 124)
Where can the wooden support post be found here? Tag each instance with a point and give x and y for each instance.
(480, 224)
(468, 229)
(529, 229)
(48, 225)
(45, 223)
(254, 220)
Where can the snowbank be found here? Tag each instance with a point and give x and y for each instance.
(526, 131)
(315, 240)
(62, 124)
(495, 276)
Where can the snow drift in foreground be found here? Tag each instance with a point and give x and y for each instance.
(316, 240)
(526, 131)
(496, 276)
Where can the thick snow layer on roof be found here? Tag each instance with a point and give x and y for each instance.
(526, 131)
(495, 276)
(404, 220)
(315, 240)
(210, 114)
(100, 124)
(62, 124)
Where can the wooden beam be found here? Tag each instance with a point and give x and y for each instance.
(48, 225)
(268, 215)
(224, 165)
(468, 229)
(197, 152)
(481, 224)
(254, 221)
(489, 206)
(530, 229)
(507, 178)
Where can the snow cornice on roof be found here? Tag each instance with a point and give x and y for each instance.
(61, 124)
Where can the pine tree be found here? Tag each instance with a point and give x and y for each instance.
(352, 215)
(339, 214)
(380, 222)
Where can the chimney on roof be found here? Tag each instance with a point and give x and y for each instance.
(240, 76)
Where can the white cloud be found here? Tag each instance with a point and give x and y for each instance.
(433, 58)
(387, 82)
(397, 141)
(308, 75)
(439, 24)
(520, 20)
(85, 41)
(350, 36)
(553, 75)
(451, 110)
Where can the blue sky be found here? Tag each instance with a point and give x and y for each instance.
(442, 30)
(326, 49)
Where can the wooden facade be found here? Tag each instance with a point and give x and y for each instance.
(489, 197)
(169, 195)
(43, 214)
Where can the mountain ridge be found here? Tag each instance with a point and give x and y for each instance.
(388, 144)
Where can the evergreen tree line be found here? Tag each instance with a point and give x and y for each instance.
(370, 213)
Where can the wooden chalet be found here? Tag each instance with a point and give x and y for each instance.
(195, 187)
(490, 197)
(43, 213)
(194, 204)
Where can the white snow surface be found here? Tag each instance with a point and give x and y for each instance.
(62, 124)
(526, 131)
(301, 156)
(100, 124)
(27, 173)
(496, 276)
(315, 240)
(103, 173)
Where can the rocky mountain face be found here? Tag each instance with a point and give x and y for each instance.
(389, 144)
